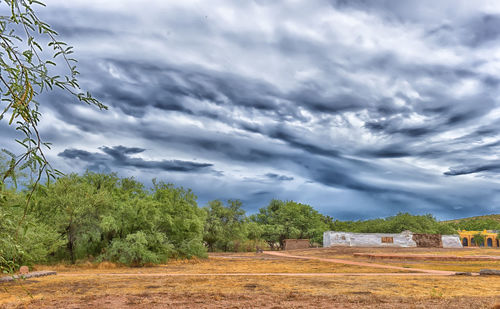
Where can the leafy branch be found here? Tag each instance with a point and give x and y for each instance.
(25, 73)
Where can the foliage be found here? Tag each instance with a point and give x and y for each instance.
(225, 226)
(73, 207)
(282, 220)
(396, 224)
(140, 248)
(31, 242)
(180, 218)
(477, 224)
(104, 217)
(25, 72)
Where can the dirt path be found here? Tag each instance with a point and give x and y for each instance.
(428, 257)
(348, 262)
(243, 274)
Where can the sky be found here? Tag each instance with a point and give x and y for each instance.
(361, 109)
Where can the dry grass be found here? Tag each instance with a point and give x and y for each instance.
(50, 289)
(346, 252)
(83, 287)
(458, 266)
(230, 263)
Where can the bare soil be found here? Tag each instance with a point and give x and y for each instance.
(249, 280)
(254, 300)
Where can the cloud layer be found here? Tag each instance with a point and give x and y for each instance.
(359, 108)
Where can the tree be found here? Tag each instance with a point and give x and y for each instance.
(281, 220)
(102, 217)
(35, 241)
(477, 224)
(180, 219)
(131, 230)
(25, 72)
(225, 226)
(396, 224)
(74, 208)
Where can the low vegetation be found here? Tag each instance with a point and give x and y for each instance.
(250, 280)
(396, 224)
(101, 217)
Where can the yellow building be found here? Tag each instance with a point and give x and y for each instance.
(490, 238)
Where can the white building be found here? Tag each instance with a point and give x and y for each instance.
(404, 239)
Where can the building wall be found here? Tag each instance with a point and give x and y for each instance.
(428, 240)
(404, 239)
(451, 241)
(368, 239)
(466, 238)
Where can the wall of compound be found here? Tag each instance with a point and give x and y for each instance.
(451, 241)
(293, 244)
(404, 239)
(368, 239)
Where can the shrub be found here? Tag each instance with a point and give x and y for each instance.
(139, 248)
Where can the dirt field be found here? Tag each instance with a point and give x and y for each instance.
(248, 280)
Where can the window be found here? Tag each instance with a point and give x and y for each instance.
(387, 240)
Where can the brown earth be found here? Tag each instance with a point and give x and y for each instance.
(432, 264)
(253, 300)
(362, 264)
(427, 257)
(249, 280)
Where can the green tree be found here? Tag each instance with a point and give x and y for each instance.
(180, 219)
(477, 224)
(101, 217)
(281, 220)
(131, 230)
(225, 226)
(31, 242)
(74, 208)
(26, 70)
(396, 224)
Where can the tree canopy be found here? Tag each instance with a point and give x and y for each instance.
(396, 224)
(281, 220)
(225, 226)
(103, 217)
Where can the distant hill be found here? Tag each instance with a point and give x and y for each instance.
(492, 217)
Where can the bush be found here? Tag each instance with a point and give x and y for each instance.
(139, 248)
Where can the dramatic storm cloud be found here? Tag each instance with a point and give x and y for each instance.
(359, 108)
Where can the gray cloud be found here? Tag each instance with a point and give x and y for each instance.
(491, 167)
(360, 108)
(278, 177)
(118, 156)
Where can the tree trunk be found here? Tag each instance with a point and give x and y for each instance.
(71, 242)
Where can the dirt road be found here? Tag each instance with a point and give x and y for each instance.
(348, 262)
